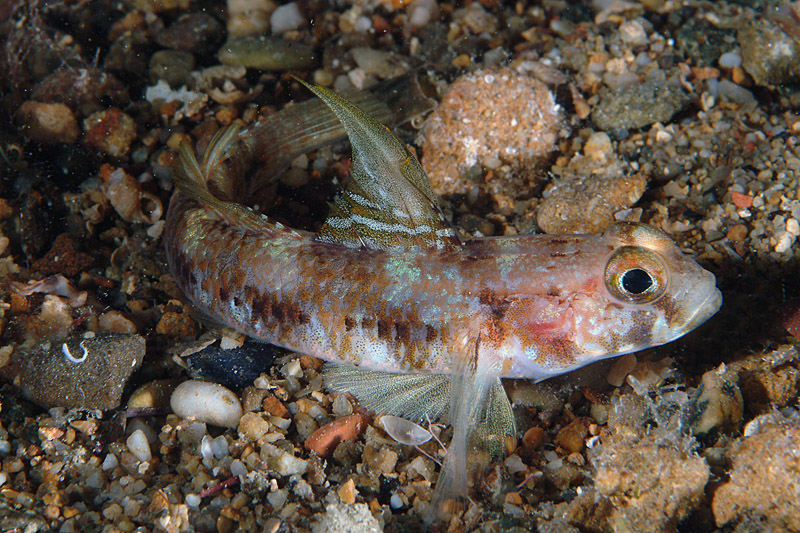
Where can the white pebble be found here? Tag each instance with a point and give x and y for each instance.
(206, 453)
(207, 402)
(138, 446)
(514, 464)
(793, 227)
(220, 447)
(110, 462)
(396, 502)
(3, 478)
(5, 447)
(730, 60)
(633, 33)
(292, 368)
(286, 17)
(785, 242)
(193, 500)
(238, 468)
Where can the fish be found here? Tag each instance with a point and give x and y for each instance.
(413, 319)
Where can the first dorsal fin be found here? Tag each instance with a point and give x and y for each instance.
(390, 203)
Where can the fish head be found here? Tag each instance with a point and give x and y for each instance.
(647, 274)
(629, 289)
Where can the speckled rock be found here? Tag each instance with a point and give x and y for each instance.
(266, 53)
(111, 132)
(764, 484)
(496, 119)
(199, 33)
(717, 406)
(651, 478)
(48, 123)
(591, 189)
(172, 66)
(57, 375)
(347, 517)
(638, 106)
(82, 89)
(769, 55)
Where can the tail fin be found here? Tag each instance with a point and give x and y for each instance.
(215, 182)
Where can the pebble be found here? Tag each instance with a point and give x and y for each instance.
(234, 368)
(58, 375)
(199, 33)
(48, 122)
(770, 56)
(404, 431)
(573, 436)
(730, 60)
(717, 405)
(287, 17)
(633, 33)
(282, 462)
(590, 191)
(763, 484)
(207, 402)
(139, 446)
(325, 440)
(248, 17)
(172, 66)
(380, 63)
(266, 53)
(153, 394)
(346, 517)
(638, 106)
(110, 131)
(524, 127)
(645, 477)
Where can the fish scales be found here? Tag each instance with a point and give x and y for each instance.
(387, 288)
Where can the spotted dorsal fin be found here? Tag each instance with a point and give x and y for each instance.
(390, 203)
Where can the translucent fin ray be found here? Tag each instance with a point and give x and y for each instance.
(390, 203)
(411, 396)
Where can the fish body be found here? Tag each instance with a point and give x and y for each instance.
(541, 304)
(419, 322)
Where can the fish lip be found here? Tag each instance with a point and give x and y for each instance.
(705, 310)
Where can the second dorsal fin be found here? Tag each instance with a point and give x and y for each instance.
(390, 203)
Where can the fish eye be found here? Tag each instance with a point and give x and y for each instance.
(636, 281)
(636, 275)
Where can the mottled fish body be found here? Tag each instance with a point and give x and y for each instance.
(420, 322)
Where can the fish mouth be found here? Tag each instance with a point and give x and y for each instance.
(705, 310)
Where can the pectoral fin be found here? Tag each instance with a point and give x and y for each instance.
(411, 396)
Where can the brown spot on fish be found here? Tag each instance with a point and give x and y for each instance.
(349, 323)
(403, 332)
(384, 328)
(497, 306)
(430, 333)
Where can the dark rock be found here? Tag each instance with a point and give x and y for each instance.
(172, 66)
(638, 106)
(235, 368)
(196, 32)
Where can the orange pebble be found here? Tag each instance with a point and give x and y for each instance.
(324, 440)
(742, 201)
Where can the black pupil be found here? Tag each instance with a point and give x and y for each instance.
(636, 281)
